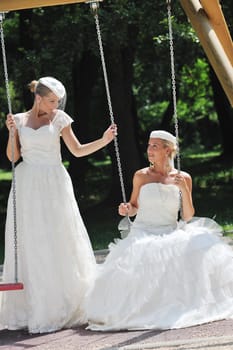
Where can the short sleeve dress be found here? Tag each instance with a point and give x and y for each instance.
(56, 260)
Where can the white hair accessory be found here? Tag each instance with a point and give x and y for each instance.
(57, 88)
(54, 85)
(164, 135)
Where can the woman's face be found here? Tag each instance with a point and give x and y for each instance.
(48, 103)
(156, 151)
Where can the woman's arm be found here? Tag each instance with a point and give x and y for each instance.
(184, 182)
(131, 207)
(80, 150)
(11, 126)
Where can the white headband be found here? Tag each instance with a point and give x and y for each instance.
(54, 85)
(164, 135)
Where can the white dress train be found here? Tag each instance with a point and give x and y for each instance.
(56, 261)
(164, 274)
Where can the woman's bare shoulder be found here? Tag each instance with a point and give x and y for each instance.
(141, 175)
(141, 172)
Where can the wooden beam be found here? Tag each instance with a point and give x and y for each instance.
(209, 23)
(217, 20)
(13, 5)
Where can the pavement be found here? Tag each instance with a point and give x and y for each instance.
(211, 336)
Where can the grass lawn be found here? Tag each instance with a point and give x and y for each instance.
(212, 194)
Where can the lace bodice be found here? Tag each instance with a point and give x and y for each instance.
(42, 146)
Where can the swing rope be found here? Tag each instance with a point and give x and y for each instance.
(16, 284)
(94, 7)
(173, 82)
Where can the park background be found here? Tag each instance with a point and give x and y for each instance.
(61, 41)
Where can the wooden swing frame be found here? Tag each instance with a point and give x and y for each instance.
(14, 5)
(210, 26)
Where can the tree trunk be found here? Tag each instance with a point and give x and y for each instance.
(120, 79)
(84, 76)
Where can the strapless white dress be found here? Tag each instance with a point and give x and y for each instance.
(56, 261)
(164, 274)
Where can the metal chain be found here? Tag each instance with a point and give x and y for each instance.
(173, 82)
(12, 137)
(95, 6)
(5, 63)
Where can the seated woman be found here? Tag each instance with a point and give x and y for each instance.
(166, 273)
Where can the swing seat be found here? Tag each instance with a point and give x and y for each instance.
(10, 286)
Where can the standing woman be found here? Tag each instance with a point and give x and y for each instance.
(56, 260)
(165, 274)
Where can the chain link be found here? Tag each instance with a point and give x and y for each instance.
(5, 63)
(109, 104)
(173, 82)
(12, 137)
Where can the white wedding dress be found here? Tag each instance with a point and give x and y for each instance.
(164, 274)
(56, 261)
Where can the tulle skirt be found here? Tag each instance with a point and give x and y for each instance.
(163, 280)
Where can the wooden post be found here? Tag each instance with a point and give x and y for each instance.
(13, 5)
(217, 20)
(208, 21)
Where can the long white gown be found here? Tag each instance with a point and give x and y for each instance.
(56, 260)
(164, 274)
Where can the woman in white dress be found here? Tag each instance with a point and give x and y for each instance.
(55, 257)
(165, 274)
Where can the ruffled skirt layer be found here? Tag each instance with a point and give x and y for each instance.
(164, 281)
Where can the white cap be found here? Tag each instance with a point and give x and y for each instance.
(164, 135)
(54, 85)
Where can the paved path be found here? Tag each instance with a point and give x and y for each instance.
(212, 336)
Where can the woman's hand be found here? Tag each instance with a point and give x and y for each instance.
(10, 122)
(127, 209)
(110, 133)
(184, 182)
(179, 180)
(11, 126)
(123, 209)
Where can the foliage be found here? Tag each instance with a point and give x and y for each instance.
(5, 175)
(13, 95)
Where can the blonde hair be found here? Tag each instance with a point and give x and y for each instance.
(38, 88)
(172, 147)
